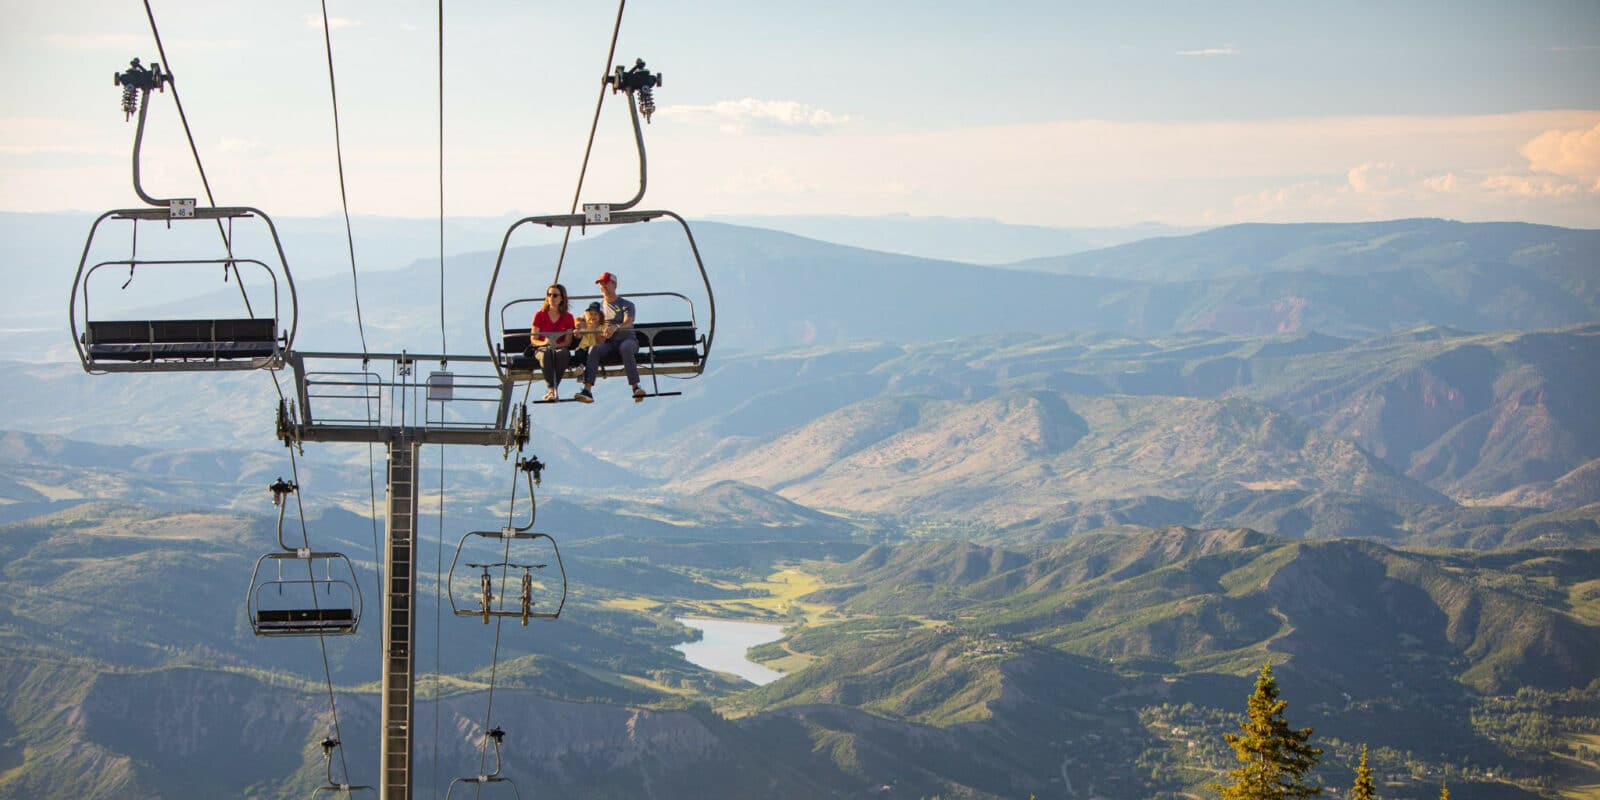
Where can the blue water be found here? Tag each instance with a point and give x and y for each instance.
(723, 644)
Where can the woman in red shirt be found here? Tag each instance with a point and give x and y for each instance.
(552, 350)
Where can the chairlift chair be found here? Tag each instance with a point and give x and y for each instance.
(503, 585)
(335, 788)
(674, 348)
(304, 606)
(492, 778)
(249, 340)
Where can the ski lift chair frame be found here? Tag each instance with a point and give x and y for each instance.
(178, 345)
(489, 778)
(677, 337)
(333, 787)
(337, 620)
(524, 612)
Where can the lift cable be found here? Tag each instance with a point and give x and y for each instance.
(494, 660)
(355, 284)
(189, 134)
(322, 641)
(593, 126)
(444, 347)
(344, 199)
(293, 461)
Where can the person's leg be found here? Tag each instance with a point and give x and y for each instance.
(556, 365)
(630, 351)
(546, 362)
(591, 368)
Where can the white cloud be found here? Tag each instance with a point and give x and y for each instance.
(1378, 178)
(1228, 50)
(739, 116)
(1569, 153)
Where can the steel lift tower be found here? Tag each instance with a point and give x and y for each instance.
(340, 398)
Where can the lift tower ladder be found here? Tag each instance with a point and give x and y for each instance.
(339, 397)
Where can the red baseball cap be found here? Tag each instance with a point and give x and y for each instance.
(606, 277)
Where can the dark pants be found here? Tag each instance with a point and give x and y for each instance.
(553, 361)
(628, 347)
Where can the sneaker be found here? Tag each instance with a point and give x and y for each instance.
(550, 395)
(584, 396)
(638, 394)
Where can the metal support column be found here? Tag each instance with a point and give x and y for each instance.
(399, 623)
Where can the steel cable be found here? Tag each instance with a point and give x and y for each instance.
(177, 101)
(294, 466)
(344, 200)
(588, 148)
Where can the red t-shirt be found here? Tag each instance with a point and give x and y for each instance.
(542, 324)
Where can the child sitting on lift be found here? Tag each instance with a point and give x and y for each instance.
(592, 324)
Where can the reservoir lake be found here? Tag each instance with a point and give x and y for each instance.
(723, 644)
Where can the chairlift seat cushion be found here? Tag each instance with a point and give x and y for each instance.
(146, 340)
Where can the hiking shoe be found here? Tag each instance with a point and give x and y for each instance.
(550, 395)
(584, 396)
(638, 394)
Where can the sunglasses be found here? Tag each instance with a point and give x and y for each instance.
(552, 294)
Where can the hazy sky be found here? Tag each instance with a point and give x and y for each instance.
(1053, 113)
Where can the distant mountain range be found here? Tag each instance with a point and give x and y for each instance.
(1295, 434)
(973, 240)
(776, 290)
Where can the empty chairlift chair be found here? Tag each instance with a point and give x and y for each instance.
(253, 331)
(293, 600)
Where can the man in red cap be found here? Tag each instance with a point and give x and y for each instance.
(616, 337)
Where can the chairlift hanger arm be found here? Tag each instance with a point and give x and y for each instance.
(641, 82)
(140, 81)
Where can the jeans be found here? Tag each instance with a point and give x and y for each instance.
(628, 347)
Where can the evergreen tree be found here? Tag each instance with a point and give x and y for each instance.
(1363, 790)
(1274, 759)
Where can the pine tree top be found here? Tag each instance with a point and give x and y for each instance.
(1274, 759)
(1364, 789)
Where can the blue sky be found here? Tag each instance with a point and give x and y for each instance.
(1029, 112)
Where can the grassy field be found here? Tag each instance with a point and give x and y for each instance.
(784, 589)
(631, 603)
(774, 598)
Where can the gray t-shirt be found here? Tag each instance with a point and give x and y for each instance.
(618, 312)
